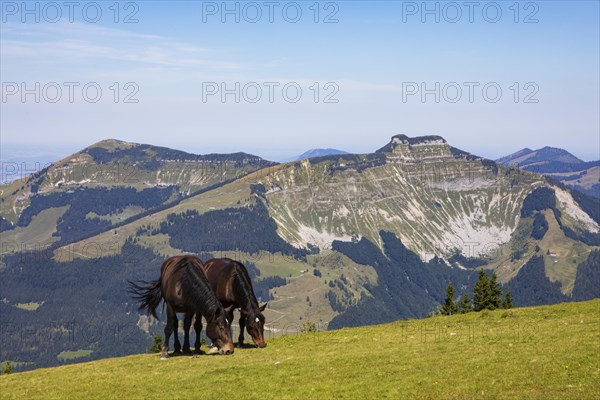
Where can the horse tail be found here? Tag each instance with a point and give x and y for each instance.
(147, 294)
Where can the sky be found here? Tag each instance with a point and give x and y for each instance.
(278, 78)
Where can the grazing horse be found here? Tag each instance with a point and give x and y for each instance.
(184, 288)
(231, 283)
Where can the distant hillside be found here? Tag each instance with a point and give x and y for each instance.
(312, 153)
(560, 165)
(107, 184)
(348, 239)
(513, 158)
(547, 352)
(541, 156)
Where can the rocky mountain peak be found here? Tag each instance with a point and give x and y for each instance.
(403, 141)
(111, 145)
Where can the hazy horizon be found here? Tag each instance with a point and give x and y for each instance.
(198, 77)
(45, 155)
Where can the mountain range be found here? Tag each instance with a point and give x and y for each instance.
(337, 240)
(313, 153)
(560, 165)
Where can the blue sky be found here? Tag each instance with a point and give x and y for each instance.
(376, 60)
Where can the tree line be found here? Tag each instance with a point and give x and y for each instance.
(487, 295)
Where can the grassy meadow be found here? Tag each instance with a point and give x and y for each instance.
(547, 352)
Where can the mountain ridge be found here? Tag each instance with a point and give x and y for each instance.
(560, 165)
(342, 231)
(527, 156)
(318, 152)
(113, 163)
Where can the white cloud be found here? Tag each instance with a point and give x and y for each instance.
(72, 45)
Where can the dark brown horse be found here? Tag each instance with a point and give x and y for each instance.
(184, 288)
(231, 283)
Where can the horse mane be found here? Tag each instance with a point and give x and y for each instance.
(196, 286)
(242, 286)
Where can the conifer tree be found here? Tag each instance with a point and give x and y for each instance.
(7, 368)
(465, 304)
(495, 293)
(507, 302)
(450, 307)
(156, 344)
(481, 291)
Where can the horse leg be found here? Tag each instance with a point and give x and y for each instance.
(198, 329)
(242, 327)
(230, 322)
(187, 324)
(177, 345)
(168, 331)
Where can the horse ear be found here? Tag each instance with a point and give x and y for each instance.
(262, 308)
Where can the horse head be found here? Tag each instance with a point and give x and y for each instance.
(255, 324)
(217, 329)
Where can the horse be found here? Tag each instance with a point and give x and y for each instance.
(184, 288)
(231, 283)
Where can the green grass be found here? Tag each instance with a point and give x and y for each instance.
(547, 352)
(71, 355)
(275, 264)
(29, 306)
(34, 236)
